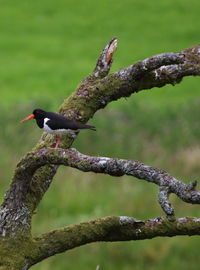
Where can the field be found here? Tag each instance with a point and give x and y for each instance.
(46, 49)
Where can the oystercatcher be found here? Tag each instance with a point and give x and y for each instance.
(55, 123)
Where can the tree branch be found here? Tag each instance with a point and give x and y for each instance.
(94, 93)
(115, 167)
(110, 229)
(155, 71)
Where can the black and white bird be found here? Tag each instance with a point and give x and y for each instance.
(55, 123)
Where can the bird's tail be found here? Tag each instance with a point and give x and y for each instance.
(90, 127)
(78, 125)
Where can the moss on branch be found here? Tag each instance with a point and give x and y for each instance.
(112, 229)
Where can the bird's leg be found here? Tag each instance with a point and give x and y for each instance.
(57, 142)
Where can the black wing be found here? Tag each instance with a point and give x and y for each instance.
(57, 121)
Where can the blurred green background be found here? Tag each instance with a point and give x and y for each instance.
(46, 48)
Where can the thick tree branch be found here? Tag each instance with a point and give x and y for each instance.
(111, 229)
(115, 167)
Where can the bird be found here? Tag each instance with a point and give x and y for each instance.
(55, 123)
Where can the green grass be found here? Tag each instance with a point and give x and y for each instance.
(46, 48)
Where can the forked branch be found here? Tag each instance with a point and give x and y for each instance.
(115, 167)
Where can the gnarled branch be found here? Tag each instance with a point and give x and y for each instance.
(115, 167)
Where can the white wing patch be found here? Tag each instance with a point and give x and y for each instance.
(57, 131)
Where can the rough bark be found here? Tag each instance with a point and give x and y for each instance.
(35, 172)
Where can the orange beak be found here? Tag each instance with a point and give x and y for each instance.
(28, 118)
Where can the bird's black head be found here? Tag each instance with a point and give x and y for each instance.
(39, 114)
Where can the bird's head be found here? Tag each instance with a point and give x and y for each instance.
(37, 114)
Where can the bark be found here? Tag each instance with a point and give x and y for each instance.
(35, 171)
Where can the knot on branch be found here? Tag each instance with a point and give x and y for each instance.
(191, 186)
(193, 55)
(127, 221)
